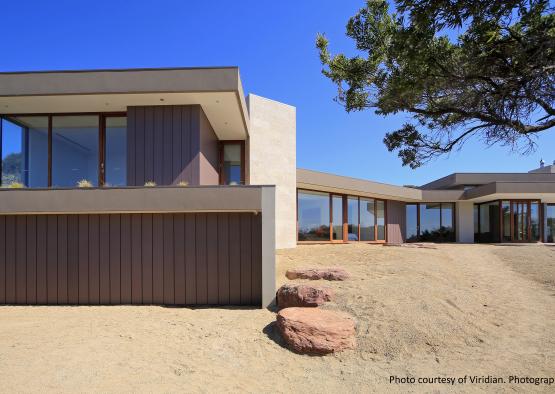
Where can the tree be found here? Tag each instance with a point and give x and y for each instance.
(461, 69)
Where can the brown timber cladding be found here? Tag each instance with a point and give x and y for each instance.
(396, 221)
(174, 259)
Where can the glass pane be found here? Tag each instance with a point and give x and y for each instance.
(352, 219)
(520, 221)
(116, 151)
(380, 219)
(489, 222)
(232, 164)
(476, 223)
(506, 215)
(447, 229)
(412, 222)
(337, 212)
(550, 223)
(367, 219)
(534, 221)
(314, 216)
(430, 226)
(25, 151)
(74, 150)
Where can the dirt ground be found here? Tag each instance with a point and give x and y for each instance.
(445, 311)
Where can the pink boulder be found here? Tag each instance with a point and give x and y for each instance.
(290, 295)
(316, 331)
(331, 273)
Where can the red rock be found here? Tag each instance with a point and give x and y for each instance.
(290, 295)
(316, 331)
(331, 273)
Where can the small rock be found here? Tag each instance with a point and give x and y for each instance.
(331, 273)
(290, 295)
(316, 331)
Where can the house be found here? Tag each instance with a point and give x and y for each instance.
(188, 187)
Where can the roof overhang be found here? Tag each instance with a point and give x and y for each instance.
(320, 181)
(217, 90)
(545, 191)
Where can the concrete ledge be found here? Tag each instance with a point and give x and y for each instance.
(132, 199)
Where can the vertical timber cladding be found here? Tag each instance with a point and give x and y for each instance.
(169, 258)
(170, 144)
(396, 222)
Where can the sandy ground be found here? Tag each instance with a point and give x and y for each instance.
(451, 311)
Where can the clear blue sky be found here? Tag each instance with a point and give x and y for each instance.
(273, 44)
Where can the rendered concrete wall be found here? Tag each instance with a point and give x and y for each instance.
(272, 160)
(464, 222)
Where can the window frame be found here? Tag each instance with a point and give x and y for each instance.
(418, 204)
(344, 198)
(221, 174)
(101, 137)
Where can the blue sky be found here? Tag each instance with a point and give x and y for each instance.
(271, 42)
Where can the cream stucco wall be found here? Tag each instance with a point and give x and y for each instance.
(271, 152)
(465, 222)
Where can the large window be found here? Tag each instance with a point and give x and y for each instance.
(337, 217)
(430, 222)
(367, 220)
(232, 163)
(74, 150)
(25, 150)
(550, 223)
(116, 151)
(61, 150)
(313, 216)
(508, 221)
(351, 218)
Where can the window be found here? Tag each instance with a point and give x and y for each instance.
(489, 222)
(352, 218)
(25, 150)
(534, 221)
(506, 217)
(313, 216)
(367, 219)
(116, 151)
(380, 219)
(337, 214)
(232, 163)
(412, 222)
(430, 222)
(74, 150)
(333, 217)
(550, 221)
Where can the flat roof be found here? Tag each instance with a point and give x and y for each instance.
(459, 179)
(498, 189)
(217, 89)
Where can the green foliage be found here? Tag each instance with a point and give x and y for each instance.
(495, 80)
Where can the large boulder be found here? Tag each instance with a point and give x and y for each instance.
(330, 273)
(290, 295)
(316, 331)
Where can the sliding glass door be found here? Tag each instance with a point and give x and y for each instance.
(509, 221)
(430, 222)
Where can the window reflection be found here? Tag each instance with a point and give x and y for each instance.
(25, 151)
(313, 216)
(74, 150)
(352, 219)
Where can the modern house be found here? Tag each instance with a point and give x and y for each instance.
(190, 187)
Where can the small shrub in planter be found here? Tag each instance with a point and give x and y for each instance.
(16, 185)
(83, 183)
(150, 183)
